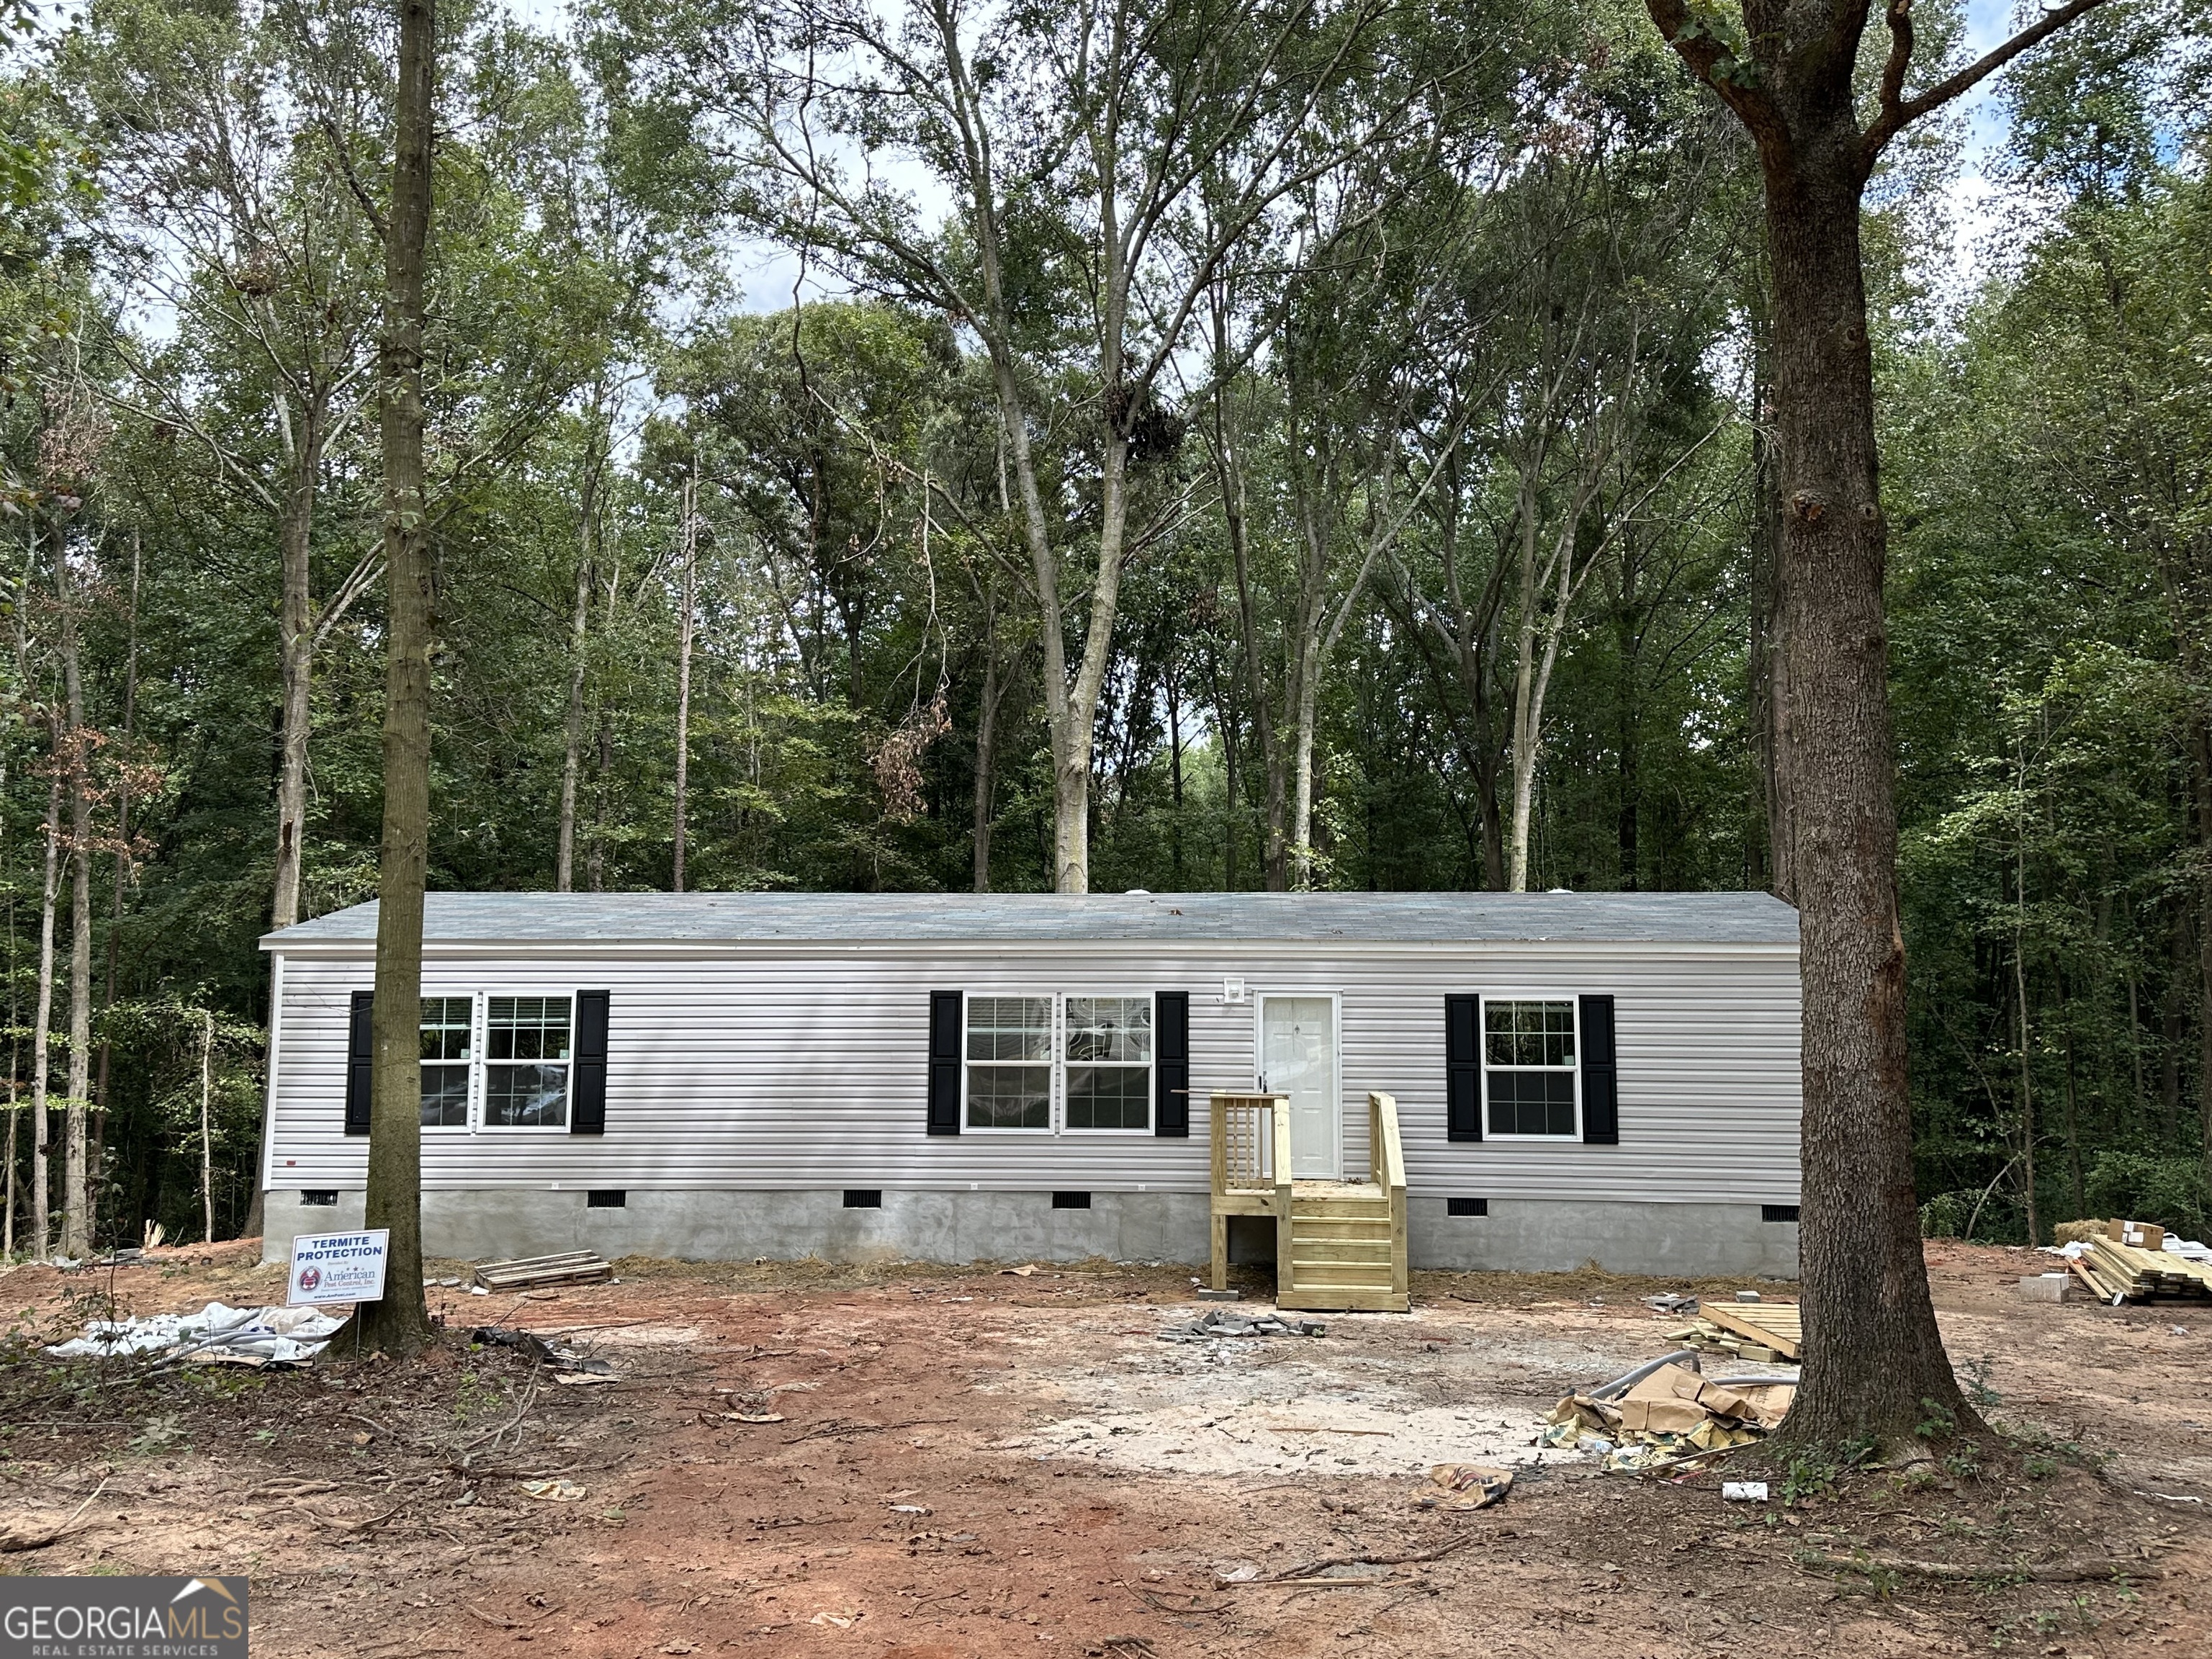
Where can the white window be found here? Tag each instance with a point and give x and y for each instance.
(495, 1062)
(448, 1026)
(1108, 1051)
(1530, 1070)
(526, 1063)
(1048, 1063)
(1010, 1062)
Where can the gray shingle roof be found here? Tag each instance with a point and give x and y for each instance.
(747, 918)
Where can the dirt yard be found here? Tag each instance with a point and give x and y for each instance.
(991, 1464)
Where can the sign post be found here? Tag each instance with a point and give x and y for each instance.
(337, 1267)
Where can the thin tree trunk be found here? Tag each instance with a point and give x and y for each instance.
(76, 1176)
(2026, 1103)
(207, 1132)
(595, 856)
(986, 743)
(122, 863)
(1175, 776)
(690, 536)
(399, 1324)
(2201, 745)
(571, 751)
(295, 666)
(42, 1022)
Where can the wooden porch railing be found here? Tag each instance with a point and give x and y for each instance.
(1251, 1169)
(1386, 1162)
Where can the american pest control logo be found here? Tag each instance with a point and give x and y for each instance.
(123, 1618)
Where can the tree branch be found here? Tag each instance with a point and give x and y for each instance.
(1899, 113)
(1709, 60)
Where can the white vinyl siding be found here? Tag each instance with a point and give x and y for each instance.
(784, 1066)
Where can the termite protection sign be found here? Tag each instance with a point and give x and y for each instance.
(337, 1267)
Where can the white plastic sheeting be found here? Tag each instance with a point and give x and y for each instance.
(217, 1332)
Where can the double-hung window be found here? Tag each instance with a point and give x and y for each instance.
(1055, 1062)
(526, 1063)
(448, 1026)
(495, 1062)
(1530, 1073)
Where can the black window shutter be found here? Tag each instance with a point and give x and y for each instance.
(360, 1064)
(1462, 1068)
(587, 1066)
(944, 1012)
(1172, 1068)
(1601, 1078)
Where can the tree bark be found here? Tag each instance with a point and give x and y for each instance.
(1874, 1361)
(123, 871)
(296, 665)
(42, 1021)
(399, 1324)
(207, 1131)
(571, 751)
(76, 1176)
(689, 535)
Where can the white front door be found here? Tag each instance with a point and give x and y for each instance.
(1297, 1058)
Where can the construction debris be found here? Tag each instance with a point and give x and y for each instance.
(1467, 1486)
(1216, 1323)
(2116, 1273)
(217, 1335)
(1670, 1416)
(558, 1355)
(1762, 1331)
(573, 1267)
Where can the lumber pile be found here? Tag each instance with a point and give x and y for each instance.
(2123, 1273)
(528, 1274)
(1762, 1331)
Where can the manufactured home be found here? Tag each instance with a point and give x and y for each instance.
(1560, 1078)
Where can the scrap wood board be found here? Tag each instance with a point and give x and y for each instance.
(573, 1266)
(1773, 1324)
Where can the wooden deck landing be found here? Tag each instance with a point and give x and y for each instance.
(1340, 1245)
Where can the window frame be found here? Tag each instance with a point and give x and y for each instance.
(1055, 1125)
(467, 1126)
(481, 1121)
(1060, 1062)
(1573, 1000)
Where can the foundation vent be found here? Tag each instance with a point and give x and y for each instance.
(1777, 1213)
(606, 1198)
(864, 1198)
(326, 1196)
(1467, 1206)
(1070, 1200)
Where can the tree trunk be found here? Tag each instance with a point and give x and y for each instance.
(595, 856)
(1175, 776)
(1301, 871)
(2201, 745)
(207, 1132)
(571, 751)
(295, 669)
(399, 1324)
(123, 870)
(76, 1177)
(42, 1021)
(689, 535)
(986, 743)
(1764, 656)
(1873, 1355)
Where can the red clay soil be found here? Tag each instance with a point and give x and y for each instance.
(981, 1464)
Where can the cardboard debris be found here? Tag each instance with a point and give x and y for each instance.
(1467, 1486)
(1671, 1416)
(528, 1273)
(2136, 1235)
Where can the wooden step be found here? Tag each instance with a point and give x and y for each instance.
(1305, 1271)
(1341, 1250)
(1362, 1227)
(1344, 1299)
(1350, 1209)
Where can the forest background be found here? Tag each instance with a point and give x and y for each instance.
(1175, 445)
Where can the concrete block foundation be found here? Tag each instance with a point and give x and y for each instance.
(1516, 1236)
